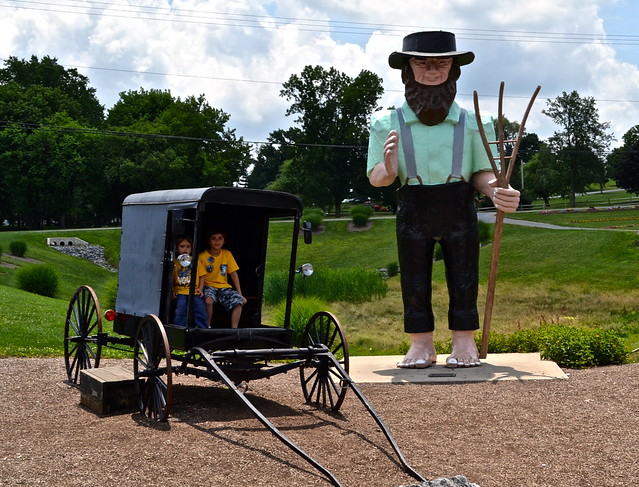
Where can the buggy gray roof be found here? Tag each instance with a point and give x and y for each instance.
(191, 197)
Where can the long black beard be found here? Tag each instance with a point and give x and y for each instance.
(430, 103)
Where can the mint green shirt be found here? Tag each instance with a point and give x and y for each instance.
(433, 144)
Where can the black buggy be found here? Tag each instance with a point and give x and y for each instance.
(142, 319)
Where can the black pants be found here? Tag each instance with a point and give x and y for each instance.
(446, 214)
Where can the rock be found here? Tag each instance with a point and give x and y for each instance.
(94, 253)
(456, 481)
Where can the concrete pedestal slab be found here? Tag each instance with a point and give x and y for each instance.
(496, 367)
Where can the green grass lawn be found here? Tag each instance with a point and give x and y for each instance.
(588, 278)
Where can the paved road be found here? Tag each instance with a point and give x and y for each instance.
(489, 217)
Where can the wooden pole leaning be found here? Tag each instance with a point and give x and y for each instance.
(502, 174)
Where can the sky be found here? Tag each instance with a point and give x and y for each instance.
(237, 53)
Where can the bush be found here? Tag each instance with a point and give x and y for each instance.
(38, 279)
(302, 310)
(523, 341)
(568, 346)
(354, 285)
(392, 269)
(485, 232)
(315, 216)
(608, 347)
(497, 343)
(18, 248)
(578, 348)
(361, 214)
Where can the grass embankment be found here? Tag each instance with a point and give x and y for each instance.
(587, 278)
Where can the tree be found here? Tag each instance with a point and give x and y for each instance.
(580, 145)
(628, 172)
(542, 177)
(60, 163)
(164, 142)
(45, 152)
(614, 159)
(280, 146)
(67, 90)
(333, 111)
(528, 147)
(54, 173)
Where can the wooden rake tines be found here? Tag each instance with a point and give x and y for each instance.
(502, 174)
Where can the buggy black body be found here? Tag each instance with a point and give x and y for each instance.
(151, 224)
(143, 315)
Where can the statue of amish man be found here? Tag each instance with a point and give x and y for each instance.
(435, 149)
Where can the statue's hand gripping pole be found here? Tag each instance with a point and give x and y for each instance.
(502, 174)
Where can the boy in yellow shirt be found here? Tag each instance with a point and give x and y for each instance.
(215, 265)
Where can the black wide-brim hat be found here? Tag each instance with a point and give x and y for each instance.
(429, 44)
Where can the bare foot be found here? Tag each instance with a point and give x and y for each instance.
(464, 352)
(422, 352)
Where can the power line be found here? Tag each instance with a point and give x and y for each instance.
(4, 124)
(171, 14)
(242, 80)
(203, 17)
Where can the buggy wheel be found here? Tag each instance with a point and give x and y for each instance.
(152, 370)
(321, 382)
(82, 349)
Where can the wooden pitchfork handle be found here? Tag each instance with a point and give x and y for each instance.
(502, 174)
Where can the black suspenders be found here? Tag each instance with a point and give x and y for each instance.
(409, 149)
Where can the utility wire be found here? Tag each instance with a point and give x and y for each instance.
(171, 14)
(4, 124)
(241, 80)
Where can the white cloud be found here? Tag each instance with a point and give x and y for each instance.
(205, 44)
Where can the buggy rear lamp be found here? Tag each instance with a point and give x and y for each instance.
(110, 314)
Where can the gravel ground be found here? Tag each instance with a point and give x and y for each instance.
(583, 431)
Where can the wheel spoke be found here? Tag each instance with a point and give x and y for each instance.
(311, 376)
(74, 325)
